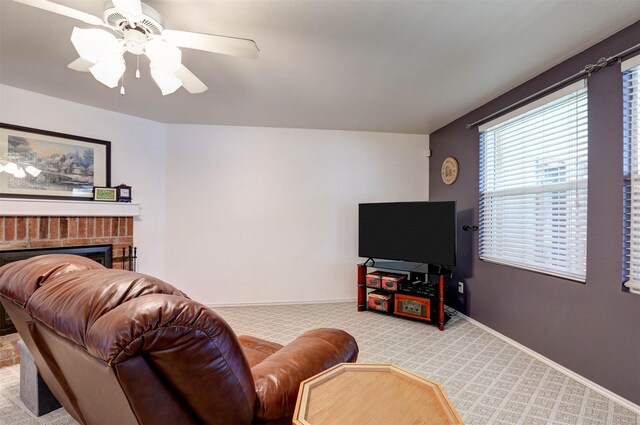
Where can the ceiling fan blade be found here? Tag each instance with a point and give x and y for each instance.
(190, 82)
(63, 10)
(81, 65)
(213, 43)
(132, 8)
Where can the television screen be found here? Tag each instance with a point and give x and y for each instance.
(420, 232)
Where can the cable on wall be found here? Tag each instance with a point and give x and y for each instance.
(585, 72)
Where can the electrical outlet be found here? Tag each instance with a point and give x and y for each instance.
(461, 287)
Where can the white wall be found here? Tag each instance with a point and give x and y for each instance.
(253, 215)
(259, 215)
(137, 155)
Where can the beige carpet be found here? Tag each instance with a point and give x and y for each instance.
(488, 380)
(13, 412)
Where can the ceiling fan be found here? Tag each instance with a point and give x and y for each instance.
(140, 30)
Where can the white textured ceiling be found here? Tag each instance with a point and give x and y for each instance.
(391, 66)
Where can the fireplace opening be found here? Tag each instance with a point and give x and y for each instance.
(99, 253)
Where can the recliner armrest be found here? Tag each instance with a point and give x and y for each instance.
(278, 377)
(256, 349)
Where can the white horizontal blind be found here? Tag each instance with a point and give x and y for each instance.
(533, 187)
(631, 219)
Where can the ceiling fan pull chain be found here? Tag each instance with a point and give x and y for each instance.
(122, 85)
(138, 67)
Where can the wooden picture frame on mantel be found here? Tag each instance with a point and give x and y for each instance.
(48, 165)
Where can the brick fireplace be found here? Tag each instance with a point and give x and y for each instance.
(49, 232)
(20, 233)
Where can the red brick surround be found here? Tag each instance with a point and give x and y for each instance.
(9, 352)
(48, 232)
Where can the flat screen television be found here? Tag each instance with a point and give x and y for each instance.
(419, 232)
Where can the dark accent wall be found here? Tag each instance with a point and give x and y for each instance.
(593, 328)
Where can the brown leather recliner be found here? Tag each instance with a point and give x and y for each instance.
(128, 348)
(18, 281)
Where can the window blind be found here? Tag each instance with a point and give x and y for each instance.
(533, 186)
(631, 191)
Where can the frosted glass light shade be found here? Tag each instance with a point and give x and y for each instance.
(108, 70)
(165, 79)
(93, 44)
(165, 60)
(163, 54)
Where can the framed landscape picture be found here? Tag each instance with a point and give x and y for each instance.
(43, 164)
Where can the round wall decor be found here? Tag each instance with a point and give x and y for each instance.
(449, 170)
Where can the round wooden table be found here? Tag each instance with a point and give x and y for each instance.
(379, 393)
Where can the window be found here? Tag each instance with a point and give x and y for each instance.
(631, 219)
(533, 186)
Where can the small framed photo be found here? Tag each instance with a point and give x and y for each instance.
(105, 194)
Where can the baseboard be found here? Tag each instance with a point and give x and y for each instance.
(573, 375)
(273, 303)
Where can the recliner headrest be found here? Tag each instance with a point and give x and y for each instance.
(20, 279)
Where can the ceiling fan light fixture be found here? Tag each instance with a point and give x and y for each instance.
(140, 29)
(108, 70)
(165, 61)
(165, 79)
(163, 54)
(94, 43)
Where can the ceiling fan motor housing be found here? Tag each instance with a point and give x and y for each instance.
(150, 23)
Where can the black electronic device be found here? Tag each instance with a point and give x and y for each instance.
(421, 232)
(420, 288)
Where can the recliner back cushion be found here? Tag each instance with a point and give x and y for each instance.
(20, 279)
(77, 300)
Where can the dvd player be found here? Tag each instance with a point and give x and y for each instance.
(418, 287)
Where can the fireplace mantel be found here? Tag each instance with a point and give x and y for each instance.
(58, 208)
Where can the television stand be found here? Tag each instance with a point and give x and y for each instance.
(430, 303)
